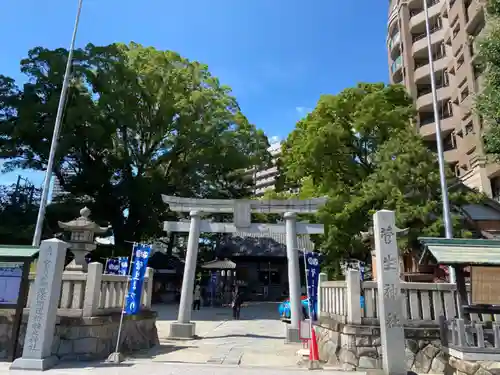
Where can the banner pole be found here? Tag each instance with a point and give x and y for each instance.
(308, 295)
(115, 357)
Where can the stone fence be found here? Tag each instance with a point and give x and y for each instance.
(94, 293)
(423, 303)
(88, 317)
(349, 333)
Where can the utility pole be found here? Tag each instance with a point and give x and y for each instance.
(55, 136)
(442, 173)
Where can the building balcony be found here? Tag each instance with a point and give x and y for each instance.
(397, 69)
(458, 43)
(465, 107)
(423, 71)
(493, 170)
(425, 101)
(420, 41)
(453, 12)
(419, 6)
(418, 17)
(266, 173)
(451, 156)
(395, 45)
(467, 143)
(428, 128)
(475, 15)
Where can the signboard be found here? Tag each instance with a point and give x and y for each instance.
(112, 266)
(305, 329)
(116, 266)
(139, 264)
(123, 266)
(11, 275)
(312, 274)
(484, 285)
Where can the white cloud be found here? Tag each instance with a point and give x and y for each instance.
(274, 139)
(303, 110)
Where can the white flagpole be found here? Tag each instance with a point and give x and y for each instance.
(55, 135)
(442, 174)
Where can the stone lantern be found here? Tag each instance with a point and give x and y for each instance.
(81, 242)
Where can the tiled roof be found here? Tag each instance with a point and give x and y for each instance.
(252, 244)
(225, 264)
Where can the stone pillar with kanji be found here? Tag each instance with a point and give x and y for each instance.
(389, 293)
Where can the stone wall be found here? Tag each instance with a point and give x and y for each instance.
(351, 347)
(89, 338)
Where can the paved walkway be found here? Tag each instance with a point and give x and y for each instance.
(155, 368)
(257, 339)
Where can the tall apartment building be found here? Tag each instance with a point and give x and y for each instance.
(265, 178)
(57, 189)
(455, 25)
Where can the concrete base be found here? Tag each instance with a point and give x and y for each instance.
(292, 335)
(314, 365)
(182, 330)
(116, 357)
(34, 363)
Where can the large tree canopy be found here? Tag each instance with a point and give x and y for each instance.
(138, 122)
(359, 149)
(488, 102)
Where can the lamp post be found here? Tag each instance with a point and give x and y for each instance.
(55, 136)
(442, 174)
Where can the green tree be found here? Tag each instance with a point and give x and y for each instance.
(18, 211)
(488, 102)
(359, 149)
(138, 123)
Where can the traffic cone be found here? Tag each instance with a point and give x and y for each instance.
(313, 352)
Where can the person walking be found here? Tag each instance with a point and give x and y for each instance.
(236, 304)
(197, 297)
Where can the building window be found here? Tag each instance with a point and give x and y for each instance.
(267, 277)
(465, 93)
(469, 128)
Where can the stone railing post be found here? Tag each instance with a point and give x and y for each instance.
(322, 278)
(353, 283)
(92, 289)
(148, 288)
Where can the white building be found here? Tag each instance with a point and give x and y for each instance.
(57, 189)
(265, 178)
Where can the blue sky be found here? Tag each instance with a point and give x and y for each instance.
(279, 56)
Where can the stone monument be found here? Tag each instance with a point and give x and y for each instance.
(82, 239)
(390, 297)
(241, 209)
(43, 309)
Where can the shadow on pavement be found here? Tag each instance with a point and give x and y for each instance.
(247, 335)
(250, 311)
(92, 364)
(159, 350)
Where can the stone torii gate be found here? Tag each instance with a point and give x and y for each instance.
(241, 210)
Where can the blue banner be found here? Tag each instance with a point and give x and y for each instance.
(123, 266)
(139, 264)
(312, 272)
(213, 282)
(112, 266)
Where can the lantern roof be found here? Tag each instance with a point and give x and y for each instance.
(83, 223)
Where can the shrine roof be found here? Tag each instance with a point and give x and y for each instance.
(463, 250)
(258, 244)
(217, 264)
(17, 251)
